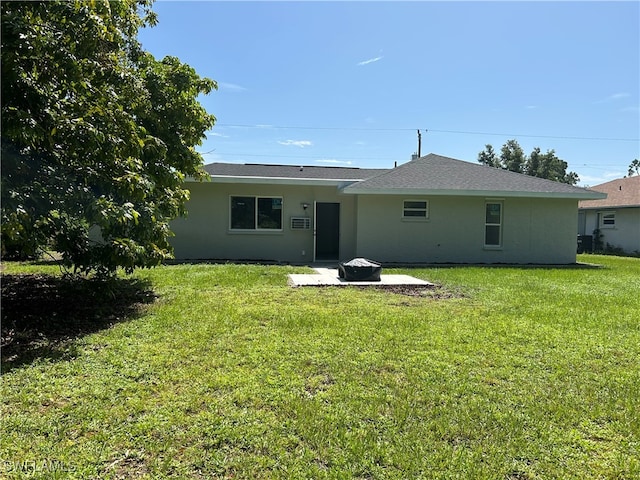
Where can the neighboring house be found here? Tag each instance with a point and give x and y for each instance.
(617, 217)
(432, 209)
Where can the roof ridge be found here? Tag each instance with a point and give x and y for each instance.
(293, 165)
(307, 166)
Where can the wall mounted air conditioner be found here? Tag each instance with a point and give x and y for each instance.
(300, 223)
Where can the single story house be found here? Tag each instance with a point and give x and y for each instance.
(617, 217)
(433, 209)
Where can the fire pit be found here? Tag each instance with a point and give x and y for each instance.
(360, 270)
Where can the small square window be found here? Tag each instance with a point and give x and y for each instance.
(608, 220)
(415, 209)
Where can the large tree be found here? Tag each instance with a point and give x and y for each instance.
(97, 135)
(512, 156)
(548, 165)
(489, 157)
(537, 164)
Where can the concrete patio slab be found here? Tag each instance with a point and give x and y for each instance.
(329, 276)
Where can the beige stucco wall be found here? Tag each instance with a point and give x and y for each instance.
(625, 234)
(205, 233)
(541, 231)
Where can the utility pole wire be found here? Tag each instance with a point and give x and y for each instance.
(266, 127)
(457, 132)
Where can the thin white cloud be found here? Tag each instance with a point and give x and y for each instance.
(371, 60)
(630, 109)
(614, 97)
(231, 87)
(297, 143)
(531, 107)
(614, 175)
(589, 180)
(216, 134)
(332, 161)
(617, 96)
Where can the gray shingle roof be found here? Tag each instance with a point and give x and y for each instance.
(432, 174)
(435, 174)
(256, 170)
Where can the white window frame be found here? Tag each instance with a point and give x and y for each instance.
(500, 225)
(256, 213)
(415, 218)
(602, 220)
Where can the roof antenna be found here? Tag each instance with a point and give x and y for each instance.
(419, 143)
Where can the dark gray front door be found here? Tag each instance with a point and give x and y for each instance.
(327, 232)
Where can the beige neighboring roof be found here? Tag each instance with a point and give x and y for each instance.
(624, 192)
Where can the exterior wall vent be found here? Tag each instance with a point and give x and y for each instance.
(300, 223)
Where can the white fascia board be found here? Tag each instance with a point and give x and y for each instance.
(608, 207)
(591, 195)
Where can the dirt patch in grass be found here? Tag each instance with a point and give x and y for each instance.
(436, 292)
(42, 314)
(433, 291)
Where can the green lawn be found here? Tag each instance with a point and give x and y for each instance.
(223, 371)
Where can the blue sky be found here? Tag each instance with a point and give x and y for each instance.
(350, 83)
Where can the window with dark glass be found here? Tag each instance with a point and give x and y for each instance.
(493, 224)
(256, 213)
(269, 213)
(608, 220)
(415, 209)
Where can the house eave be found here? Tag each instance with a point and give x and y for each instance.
(587, 195)
(607, 207)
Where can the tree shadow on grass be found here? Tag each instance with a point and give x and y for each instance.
(43, 314)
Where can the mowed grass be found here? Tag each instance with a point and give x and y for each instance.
(523, 373)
